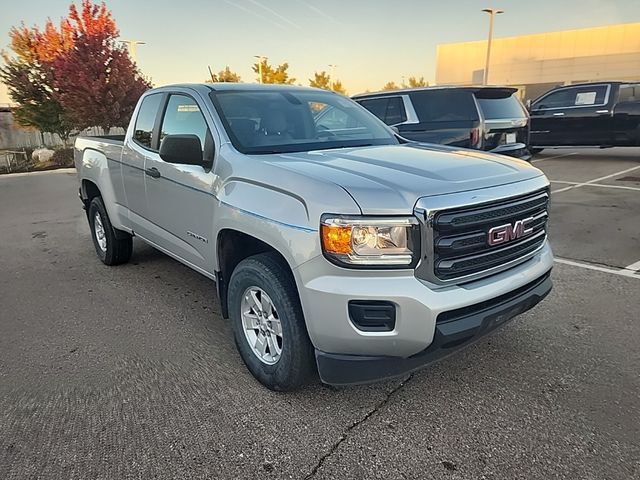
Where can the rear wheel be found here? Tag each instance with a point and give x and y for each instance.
(112, 246)
(268, 323)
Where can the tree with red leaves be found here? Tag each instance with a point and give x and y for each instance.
(74, 76)
(96, 82)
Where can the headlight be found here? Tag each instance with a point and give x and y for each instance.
(371, 241)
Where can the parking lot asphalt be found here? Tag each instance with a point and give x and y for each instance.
(130, 372)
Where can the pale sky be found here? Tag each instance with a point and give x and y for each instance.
(371, 42)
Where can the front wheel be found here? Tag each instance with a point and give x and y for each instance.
(268, 323)
(112, 246)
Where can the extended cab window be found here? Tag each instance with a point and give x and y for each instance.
(143, 129)
(183, 116)
(388, 109)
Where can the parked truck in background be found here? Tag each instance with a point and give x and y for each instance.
(603, 114)
(343, 251)
(482, 118)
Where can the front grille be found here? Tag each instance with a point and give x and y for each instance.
(460, 236)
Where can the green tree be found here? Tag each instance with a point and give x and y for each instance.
(225, 75)
(272, 74)
(323, 80)
(390, 86)
(415, 82)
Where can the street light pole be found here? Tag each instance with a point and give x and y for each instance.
(333, 71)
(492, 14)
(132, 45)
(260, 58)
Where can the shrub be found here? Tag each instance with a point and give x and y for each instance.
(63, 157)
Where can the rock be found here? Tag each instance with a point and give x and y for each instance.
(42, 155)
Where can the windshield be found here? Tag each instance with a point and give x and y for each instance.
(501, 108)
(280, 121)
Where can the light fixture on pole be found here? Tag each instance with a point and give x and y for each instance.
(260, 58)
(132, 45)
(492, 14)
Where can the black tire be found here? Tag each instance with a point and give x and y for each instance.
(535, 151)
(296, 365)
(119, 244)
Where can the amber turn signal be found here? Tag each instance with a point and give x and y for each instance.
(337, 239)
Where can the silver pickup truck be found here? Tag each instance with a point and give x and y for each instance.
(338, 248)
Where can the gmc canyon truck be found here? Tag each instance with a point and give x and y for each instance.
(351, 253)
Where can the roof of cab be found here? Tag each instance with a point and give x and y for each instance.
(230, 86)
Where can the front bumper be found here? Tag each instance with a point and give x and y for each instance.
(454, 330)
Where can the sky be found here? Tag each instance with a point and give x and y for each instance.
(370, 42)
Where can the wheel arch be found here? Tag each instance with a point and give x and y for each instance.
(233, 246)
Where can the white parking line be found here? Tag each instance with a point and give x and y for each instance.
(623, 272)
(595, 180)
(634, 267)
(623, 187)
(555, 156)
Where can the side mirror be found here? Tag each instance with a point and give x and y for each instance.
(395, 129)
(182, 149)
(528, 104)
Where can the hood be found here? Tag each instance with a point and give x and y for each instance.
(390, 179)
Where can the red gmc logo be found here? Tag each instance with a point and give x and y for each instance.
(508, 232)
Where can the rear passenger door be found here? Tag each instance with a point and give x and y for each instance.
(444, 116)
(143, 143)
(180, 201)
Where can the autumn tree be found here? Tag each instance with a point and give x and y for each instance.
(96, 82)
(73, 76)
(29, 76)
(272, 74)
(323, 80)
(390, 86)
(225, 75)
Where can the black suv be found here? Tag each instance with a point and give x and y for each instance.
(482, 118)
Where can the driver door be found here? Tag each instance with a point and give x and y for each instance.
(549, 125)
(180, 200)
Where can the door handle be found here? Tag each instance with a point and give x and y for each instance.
(558, 114)
(602, 112)
(153, 172)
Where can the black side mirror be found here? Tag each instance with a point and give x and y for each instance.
(183, 149)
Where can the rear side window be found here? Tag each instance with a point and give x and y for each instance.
(183, 116)
(590, 95)
(444, 105)
(629, 93)
(501, 108)
(388, 109)
(143, 130)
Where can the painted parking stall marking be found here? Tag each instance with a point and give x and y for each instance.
(596, 180)
(624, 272)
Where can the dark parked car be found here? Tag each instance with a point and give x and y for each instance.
(592, 114)
(482, 118)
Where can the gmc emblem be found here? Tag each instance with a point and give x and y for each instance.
(508, 232)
